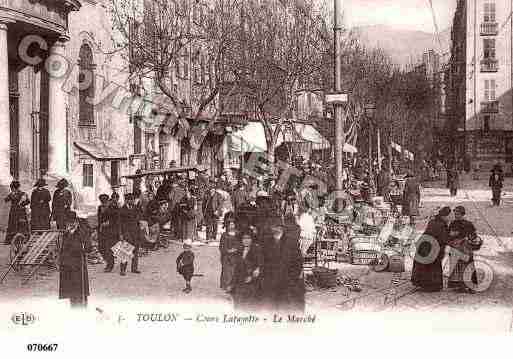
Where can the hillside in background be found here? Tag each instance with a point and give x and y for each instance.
(404, 46)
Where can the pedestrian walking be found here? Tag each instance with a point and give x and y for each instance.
(496, 183)
(453, 181)
(110, 230)
(188, 209)
(18, 222)
(411, 197)
(283, 287)
(103, 223)
(185, 264)
(73, 276)
(212, 207)
(229, 245)
(61, 203)
(430, 250)
(130, 231)
(40, 206)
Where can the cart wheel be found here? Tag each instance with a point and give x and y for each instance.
(16, 246)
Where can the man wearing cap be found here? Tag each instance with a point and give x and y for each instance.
(283, 287)
(130, 231)
(427, 265)
(61, 203)
(40, 206)
(73, 276)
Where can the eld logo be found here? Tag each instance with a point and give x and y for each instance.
(23, 318)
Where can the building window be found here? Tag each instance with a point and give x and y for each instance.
(137, 138)
(86, 86)
(486, 123)
(489, 48)
(489, 87)
(87, 175)
(114, 173)
(489, 12)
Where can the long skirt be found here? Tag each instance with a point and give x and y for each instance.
(428, 276)
(459, 263)
(228, 265)
(245, 296)
(189, 229)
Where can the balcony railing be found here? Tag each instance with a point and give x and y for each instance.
(490, 106)
(489, 65)
(489, 28)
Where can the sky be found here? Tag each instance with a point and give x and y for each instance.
(400, 14)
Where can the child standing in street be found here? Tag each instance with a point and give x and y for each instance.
(185, 264)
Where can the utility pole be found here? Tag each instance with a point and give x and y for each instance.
(340, 119)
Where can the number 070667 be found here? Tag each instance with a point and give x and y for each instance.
(42, 347)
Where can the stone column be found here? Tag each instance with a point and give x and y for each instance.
(5, 129)
(57, 67)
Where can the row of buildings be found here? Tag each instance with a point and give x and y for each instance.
(479, 81)
(69, 125)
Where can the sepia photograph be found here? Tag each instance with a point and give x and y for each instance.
(307, 167)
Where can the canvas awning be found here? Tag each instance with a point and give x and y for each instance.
(350, 148)
(99, 150)
(302, 133)
(249, 139)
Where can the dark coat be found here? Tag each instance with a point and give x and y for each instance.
(109, 225)
(228, 260)
(187, 213)
(246, 295)
(129, 221)
(18, 222)
(453, 179)
(212, 205)
(496, 183)
(427, 265)
(283, 287)
(40, 208)
(185, 264)
(74, 279)
(61, 203)
(411, 197)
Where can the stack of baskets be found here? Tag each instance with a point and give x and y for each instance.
(364, 250)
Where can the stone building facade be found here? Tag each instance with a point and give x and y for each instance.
(56, 58)
(480, 82)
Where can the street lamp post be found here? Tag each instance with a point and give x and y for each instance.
(339, 110)
(369, 113)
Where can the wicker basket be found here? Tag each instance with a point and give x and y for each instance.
(326, 278)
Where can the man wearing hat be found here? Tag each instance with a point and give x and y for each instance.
(212, 204)
(61, 203)
(130, 216)
(40, 206)
(495, 183)
(73, 276)
(283, 287)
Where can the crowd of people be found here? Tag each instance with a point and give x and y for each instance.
(264, 227)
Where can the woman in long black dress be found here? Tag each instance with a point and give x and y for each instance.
(229, 246)
(247, 274)
(18, 222)
(40, 206)
(427, 265)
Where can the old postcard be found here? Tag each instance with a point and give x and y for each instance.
(206, 171)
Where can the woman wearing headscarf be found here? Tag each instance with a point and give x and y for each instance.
(427, 265)
(18, 222)
(462, 239)
(247, 274)
(40, 206)
(229, 246)
(495, 183)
